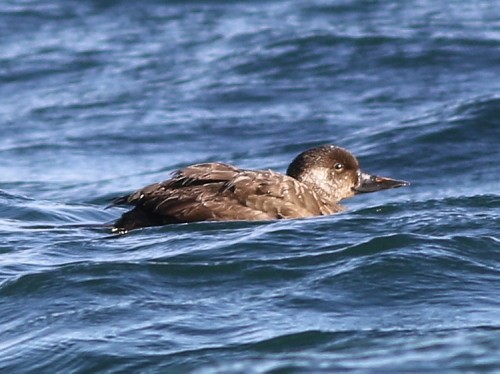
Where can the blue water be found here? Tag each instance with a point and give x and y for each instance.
(99, 98)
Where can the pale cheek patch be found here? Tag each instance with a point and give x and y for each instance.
(319, 174)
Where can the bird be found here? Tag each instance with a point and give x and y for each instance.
(314, 184)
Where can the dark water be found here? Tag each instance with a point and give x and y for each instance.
(98, 98)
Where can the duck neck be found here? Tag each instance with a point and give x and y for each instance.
(318, 180)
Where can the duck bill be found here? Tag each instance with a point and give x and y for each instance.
(372, 183)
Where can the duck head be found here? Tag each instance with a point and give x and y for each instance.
(334, 174)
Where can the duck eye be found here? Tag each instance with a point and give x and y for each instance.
(338, 166)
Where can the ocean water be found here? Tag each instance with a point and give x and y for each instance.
(99, 98)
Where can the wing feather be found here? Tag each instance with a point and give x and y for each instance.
(216, 191)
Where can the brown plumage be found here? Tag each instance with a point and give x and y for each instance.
(315, 183)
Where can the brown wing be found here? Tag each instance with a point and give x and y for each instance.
(219, 192)
(193, 175)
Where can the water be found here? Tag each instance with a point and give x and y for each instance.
(99, 98)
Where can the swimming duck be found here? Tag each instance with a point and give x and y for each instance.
(314, 184)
